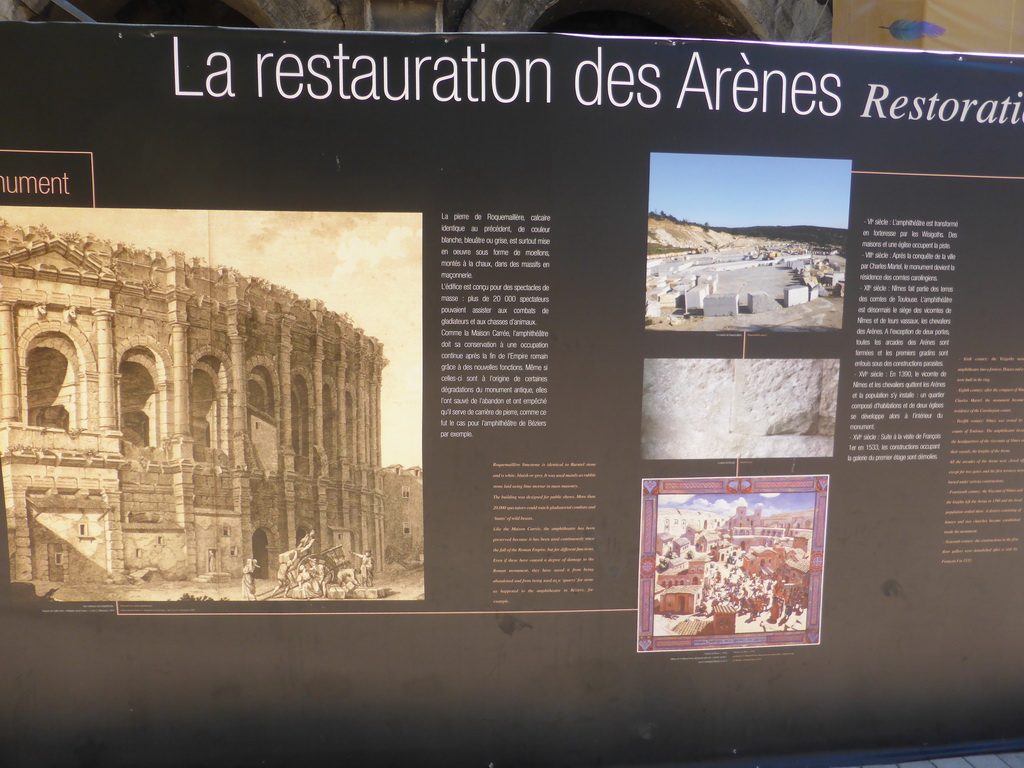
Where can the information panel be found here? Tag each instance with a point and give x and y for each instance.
(506, 400)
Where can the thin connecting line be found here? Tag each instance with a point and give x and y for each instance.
(941, 175)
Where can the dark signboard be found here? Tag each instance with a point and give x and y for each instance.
(506, 400)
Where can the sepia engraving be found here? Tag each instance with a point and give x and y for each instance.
(174, 428)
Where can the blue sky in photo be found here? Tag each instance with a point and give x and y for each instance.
(742, 191)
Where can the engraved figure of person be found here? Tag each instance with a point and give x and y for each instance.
(249, 579)
(365, 568)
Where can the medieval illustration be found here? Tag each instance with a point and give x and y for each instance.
(731, 562)
(739, 243)
(197, 416)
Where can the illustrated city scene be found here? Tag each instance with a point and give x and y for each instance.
(731, 562)
(746, 243)
(189, 410)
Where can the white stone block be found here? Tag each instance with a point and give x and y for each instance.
(797, 294)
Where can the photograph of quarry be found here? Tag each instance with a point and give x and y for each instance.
(739, 243)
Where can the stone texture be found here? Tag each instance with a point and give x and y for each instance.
(722, 305)
(776, 397)
(676, 417)
(760, 301)
(21, 10)
(714, 409)
(829, 396)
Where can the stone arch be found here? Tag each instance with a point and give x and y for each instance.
(160, 352)
(262, 418)
(302, 407)
(263, 541)
(83, 347)
(260, 392)
(143, 415)
(296, 14)
(712, 19)
(351, 353)
(209, 387)
(264, 519)
(138, 412)
(304, 371)
(300, 14)
(51, 381)
(270, 366)
(71, 343)
(220, 355)
(330, 407)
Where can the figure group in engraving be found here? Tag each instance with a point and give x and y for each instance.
(305, 575)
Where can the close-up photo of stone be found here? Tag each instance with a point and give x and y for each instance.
(715, 409)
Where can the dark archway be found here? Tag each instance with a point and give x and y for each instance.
(190, 12)
(330, 421)
(204, 408)
(138, 396)
(350, 429)
(181, 12)
(51, 388)
(261, 553)
(646, 18)
(300, 423)
(260, 393)
(300, 533)
(604, 23)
